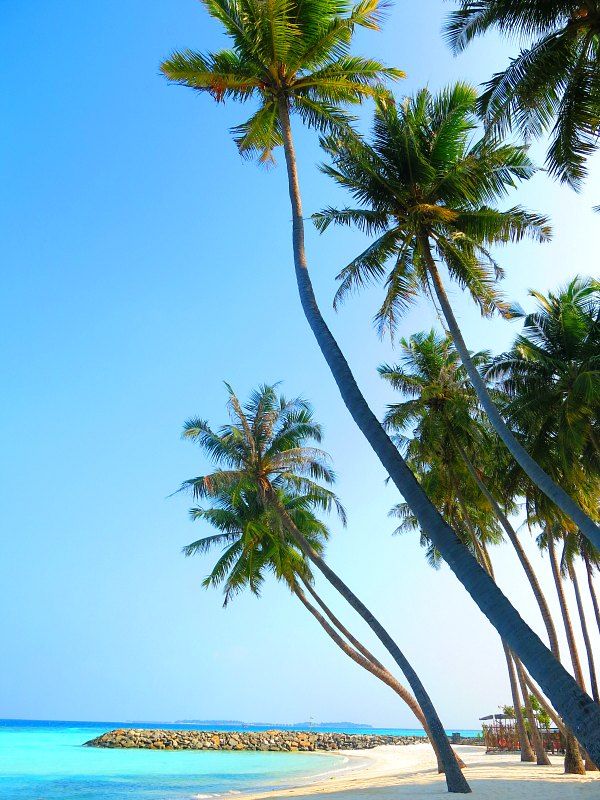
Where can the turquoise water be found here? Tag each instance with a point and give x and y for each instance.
(45, 761)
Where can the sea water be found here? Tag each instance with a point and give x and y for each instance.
(46, 761)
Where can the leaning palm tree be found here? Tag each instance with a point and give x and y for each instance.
(429, 193)
(554, 82)
(551, 375)
(269, 449)
(577, 547)
(254, 543)
(258, 31)
(440, 406)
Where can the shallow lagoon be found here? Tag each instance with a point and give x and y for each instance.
(47, 762)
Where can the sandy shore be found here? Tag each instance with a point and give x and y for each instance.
(400, 773)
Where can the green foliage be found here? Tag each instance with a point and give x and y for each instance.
(290, 52)
(551, 381)
(421, 183)
(254, 542)
(265, 456)
(438, 421)
(552, 84)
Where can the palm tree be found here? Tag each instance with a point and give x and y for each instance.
(441, 407)
(554, 82)
(449, 434)
(441, 471)
(572, 548)
(268, 449)
(551, 376)
(427, 192)
(254, 543)
(572, 572)
(253, 29)
(589, 568)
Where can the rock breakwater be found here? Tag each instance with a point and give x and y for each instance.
(275, 740)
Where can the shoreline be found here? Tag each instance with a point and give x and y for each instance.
(409, 772)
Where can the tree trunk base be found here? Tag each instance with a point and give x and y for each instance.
(589, 764)
(459, 761)
(573, 762)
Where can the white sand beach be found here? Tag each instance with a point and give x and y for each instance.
(400, 773)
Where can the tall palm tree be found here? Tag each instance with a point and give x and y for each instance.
(254, 543)
(449, 434)
(251, 28)
(441, 408)
(268, 449)
(589, 568)
(548, 539)
(553, 83)
(439, 474)
(574, 548)
(428, 193)
(551, 376)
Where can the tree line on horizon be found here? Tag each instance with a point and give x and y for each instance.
(473, 437)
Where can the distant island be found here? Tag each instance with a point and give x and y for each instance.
(240, 723)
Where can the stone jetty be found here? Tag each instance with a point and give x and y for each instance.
(275, 740)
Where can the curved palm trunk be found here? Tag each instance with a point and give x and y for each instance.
(564, 610)
(373, 666)
(455, 780)
(586, 634)
(527, 753)
(573, 761)
(578, 710)
(514, 540)
(592, 588)
(540, 750)
(376, 663)
(531, 468)
(590, 761)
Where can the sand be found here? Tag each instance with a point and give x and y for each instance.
(403, 773)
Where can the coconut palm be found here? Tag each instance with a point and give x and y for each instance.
(428, 193)
(268, 449)
(553, 83)
(551, 376)
(440, 474)
(254, 29)
(441, 408)
(575, 547)
(254, 543)
(590, 570)
(441, 412)
(287, 57)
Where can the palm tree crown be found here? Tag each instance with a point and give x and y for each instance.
(552, 378)
(285, 51)
(438, 396)
(266, 450)
(553, 82)
(254, 542)
(423, 184)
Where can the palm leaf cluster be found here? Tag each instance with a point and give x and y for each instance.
(547, 385)
(553, 84)
(254, 544)
(285, 52)
(551, 381)
(438, 419)
(424, 181)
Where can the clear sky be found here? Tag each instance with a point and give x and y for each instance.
(144, 263)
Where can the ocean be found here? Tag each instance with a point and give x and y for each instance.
(42, 760)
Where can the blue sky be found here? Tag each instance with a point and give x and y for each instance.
(145, 263)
